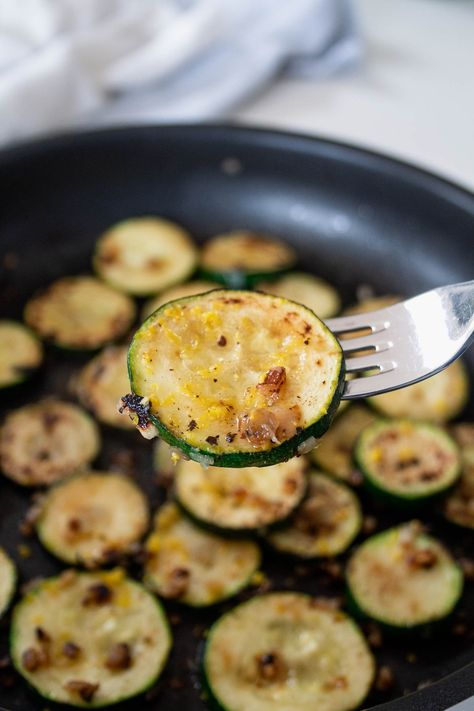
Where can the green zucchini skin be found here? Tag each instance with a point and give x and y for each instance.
(286, 450)
(239, 279)
(408, 501)
(41, 693)
(20, 373)
(436, 624)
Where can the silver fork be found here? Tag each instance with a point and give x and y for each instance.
(407, 342)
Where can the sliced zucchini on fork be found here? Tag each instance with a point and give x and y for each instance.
(193, 566)
(89, 639)
(325, 523)
(47, 441)
(80, 313)
(287, 650)
(404, 579)
(92, 518)
(190, 288)
(21, 353)
(143, 255)
(405, 462)
(243, 499)
(241, 258)
(236, 378)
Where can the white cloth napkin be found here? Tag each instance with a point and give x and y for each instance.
(73, 62)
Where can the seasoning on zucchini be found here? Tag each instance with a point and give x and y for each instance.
(458, 507)
(89, 639)
(193, 566)
(92, 518)
(236, 378)
(102, 382)
(407, 462)
(243, 499)
(45, 442)
(307, 289)
(287, 650)
(403, 578)
(325, 524)
(440, 398)
(191, 288)
(144, 255)
(7, 580)
(80, 313)
(334, 453)
(20, 353)
(241, 258)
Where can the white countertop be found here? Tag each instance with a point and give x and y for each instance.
(412, 98)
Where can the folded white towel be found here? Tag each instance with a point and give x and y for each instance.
(70, 62)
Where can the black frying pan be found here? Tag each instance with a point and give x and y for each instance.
(355, 218)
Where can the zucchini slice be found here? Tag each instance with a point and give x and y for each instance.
(8, 578)
(325, 524)
(334, 453)
(92, 518)
(80, 313)
(307, 289)
(144, 255)
(440, 398)
(193, 566)
(102, 382)
(458, 508)
(191, 288)
(20, 353)
(403, 578)
(241, 258)
(243, 499)
(237, 378)
(287, 650)
(89, 639)
(409, 462)
(47, 441)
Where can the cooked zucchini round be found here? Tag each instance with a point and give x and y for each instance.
(89, 639)
(92, 518)
(237, 378)
(240, 500)
(80, 313)
(440, 398)
(144, 255)
(373, 303)
(409, 462)
(7, 580)
(191, 288)
(458, 507)
(47, 441)
(313, 292)
(241, 258)
(20, 353)
(403, 578)
(287, 651)
(334, 453)
(325, 524)
(193, 566)
(102, 382)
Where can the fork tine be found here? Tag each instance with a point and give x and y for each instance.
(368, 362)
(345, 324)
(364, 343)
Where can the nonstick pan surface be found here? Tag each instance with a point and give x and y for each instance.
(355, 217)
